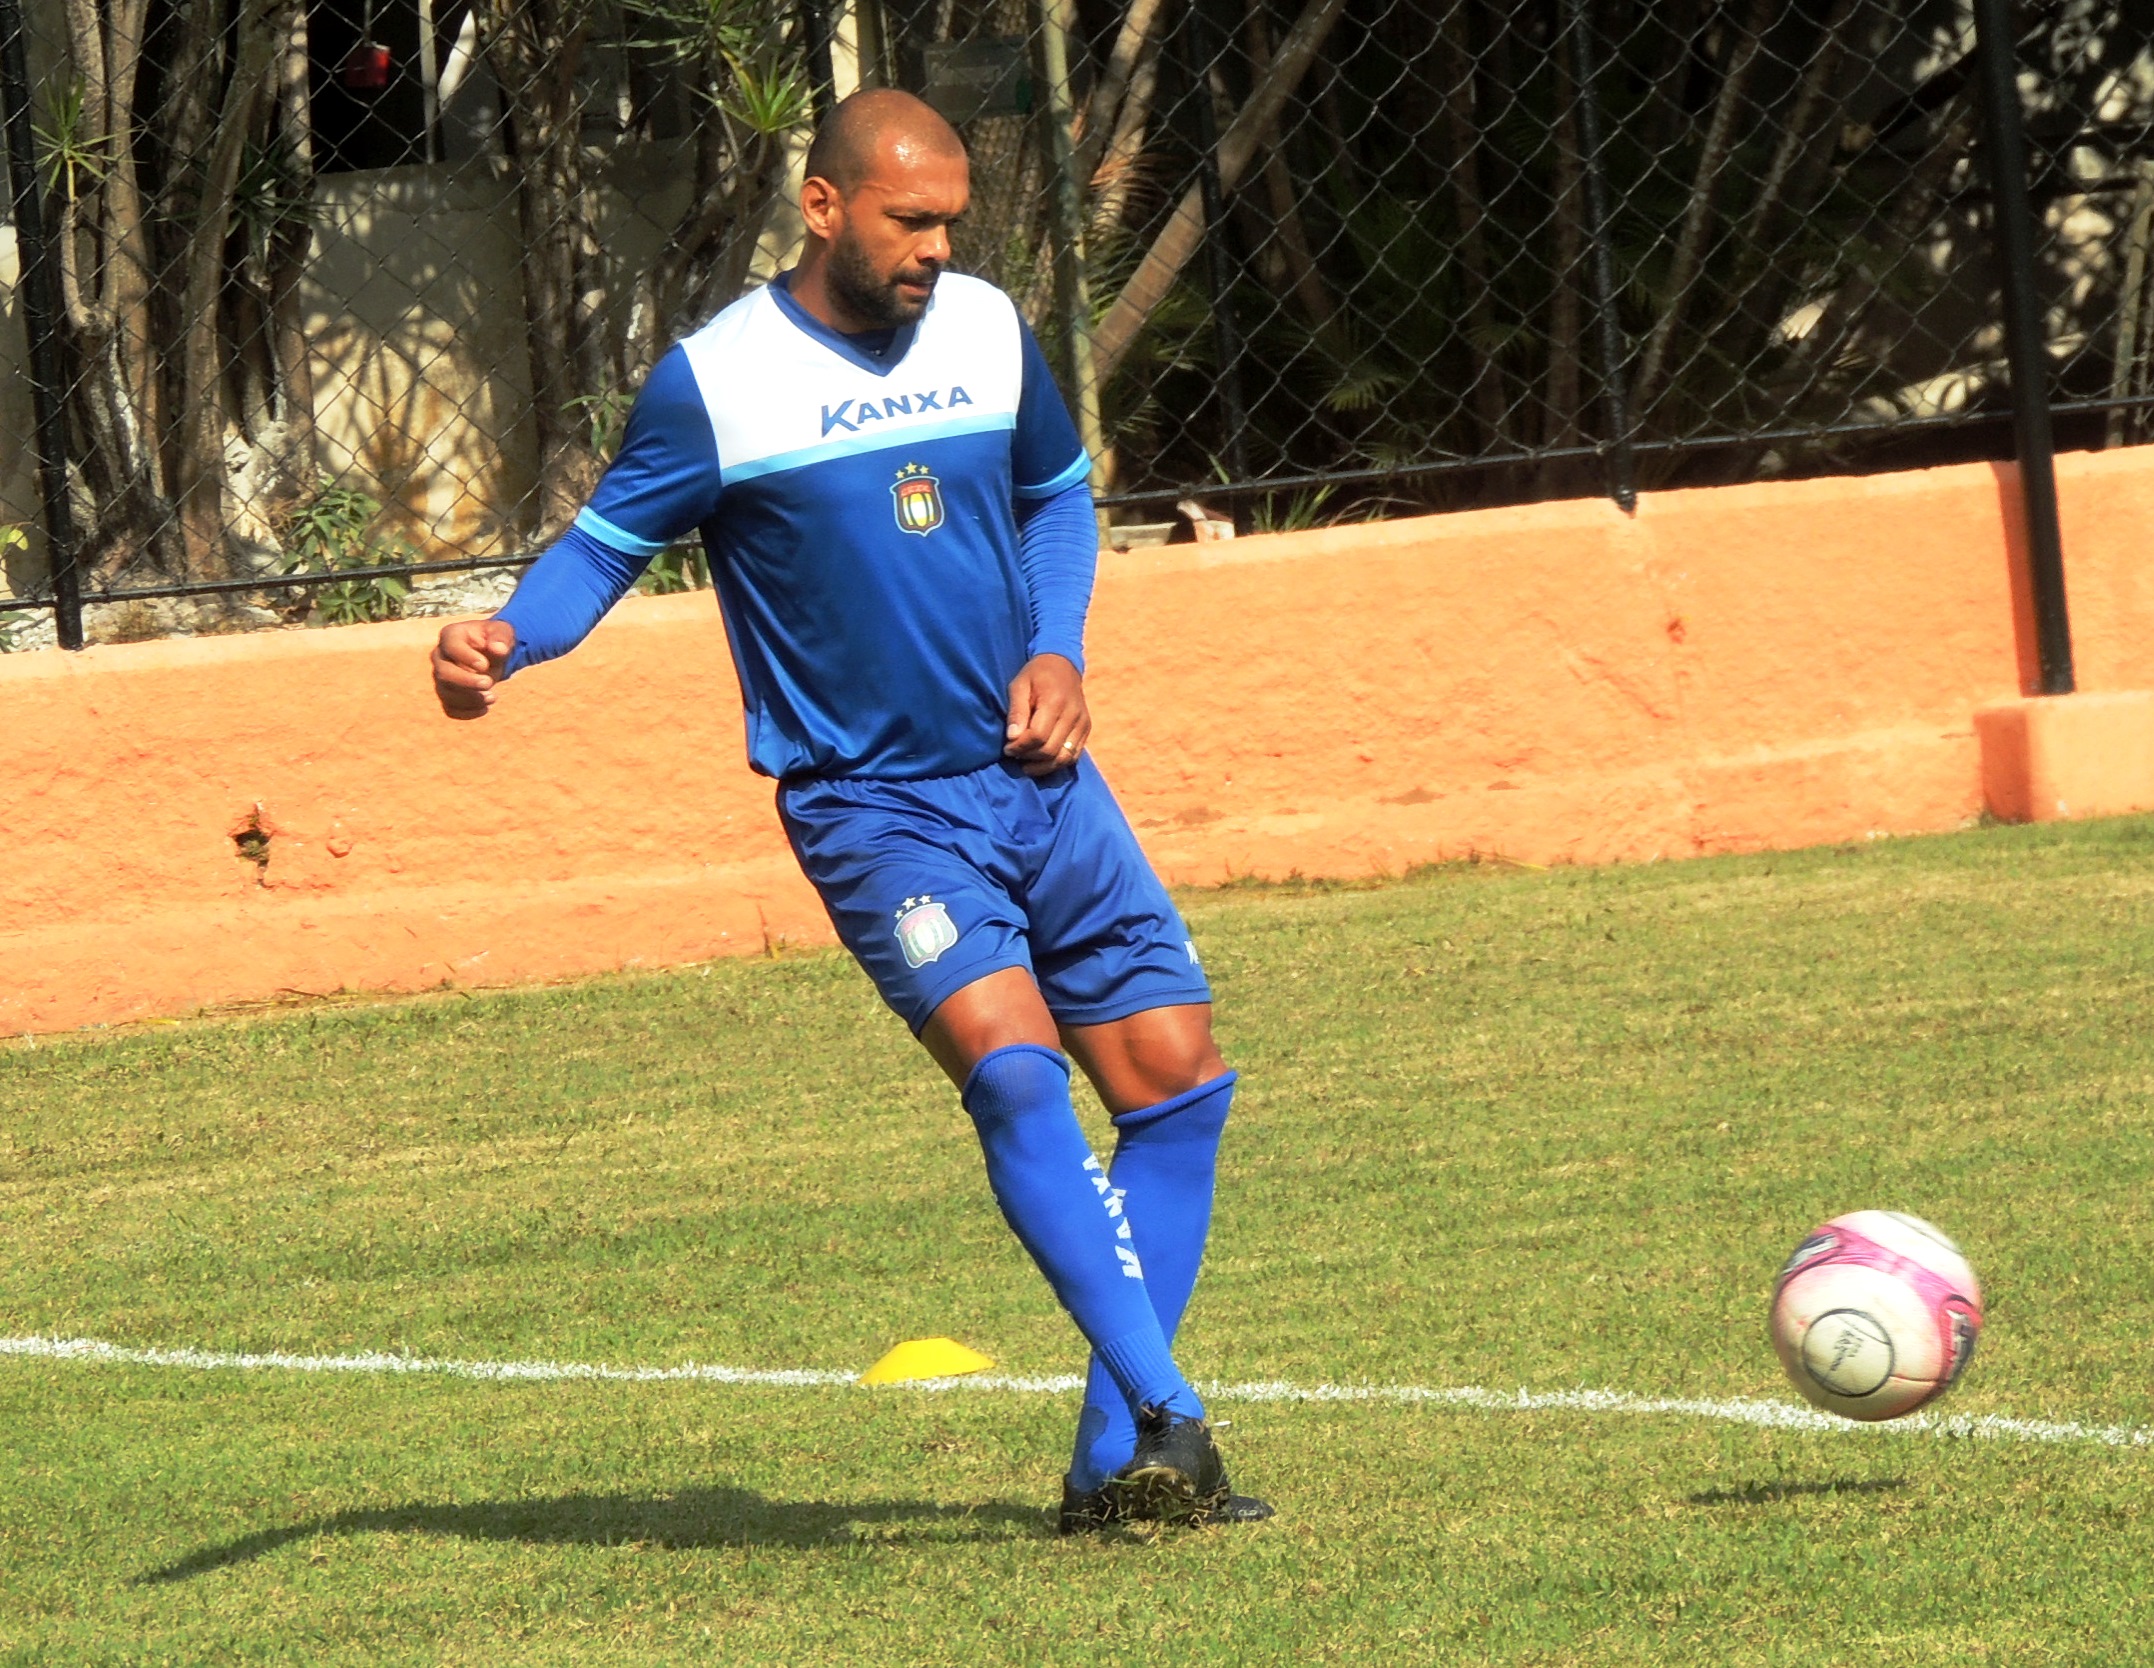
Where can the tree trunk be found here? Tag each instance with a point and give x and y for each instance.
(1490, 399)
(2127, 360)
(1823, 347)
(1001, 235)
(199, 460)
(1181, 236)
(1561, 423)
(1113, 174)
(1698, 215)
(1758, 296)
(289, 249)
(678, 273)
(538, 46)
(1796, 134)
(105, 275)
(1319, 308)
(740, 172)
(1665, 118)
(759, 188)
(1136, 45)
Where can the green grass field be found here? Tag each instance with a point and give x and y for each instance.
(1504, 1129)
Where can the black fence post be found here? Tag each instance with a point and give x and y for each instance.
(1201, 49)
(2025, 350)
(1622, 461)
(822, 74)
(38, 298)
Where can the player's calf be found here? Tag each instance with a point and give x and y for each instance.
(1057, 1199)
(1164, 1163)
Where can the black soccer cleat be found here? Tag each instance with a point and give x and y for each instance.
(1089, 1511)
(1105, 1508)
(1176, 1475)
(1237, 1508)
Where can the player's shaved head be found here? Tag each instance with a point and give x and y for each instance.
(878, 125)
(886, 180)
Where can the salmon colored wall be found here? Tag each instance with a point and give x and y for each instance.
(1733, 668)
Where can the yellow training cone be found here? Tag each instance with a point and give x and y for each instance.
(925, 1358)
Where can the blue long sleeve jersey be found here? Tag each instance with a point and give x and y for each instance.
(892, 533)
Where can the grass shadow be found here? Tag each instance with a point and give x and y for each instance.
(1765, 1494)
(697, 1517)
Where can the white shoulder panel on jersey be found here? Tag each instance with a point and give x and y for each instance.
(781, 399)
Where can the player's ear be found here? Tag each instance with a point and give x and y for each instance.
(822, 207)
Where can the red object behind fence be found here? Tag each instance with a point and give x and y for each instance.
(365, 69)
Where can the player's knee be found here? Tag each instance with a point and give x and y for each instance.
(1001, 1010)
(1192, 1052)
(1168, 1067)
(1199, 1063)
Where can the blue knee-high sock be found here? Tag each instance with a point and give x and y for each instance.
(1164, 1160)
(1055, 1196)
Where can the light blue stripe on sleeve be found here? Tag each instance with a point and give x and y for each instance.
(618, 538)
(880, 441)
(1077, 471)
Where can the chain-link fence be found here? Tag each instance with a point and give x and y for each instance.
(346, 294)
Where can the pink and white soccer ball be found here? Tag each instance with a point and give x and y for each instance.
(1875, 1314)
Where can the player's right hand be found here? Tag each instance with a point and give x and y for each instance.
(468, 660)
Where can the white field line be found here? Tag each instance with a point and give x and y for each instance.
(1741, 1410)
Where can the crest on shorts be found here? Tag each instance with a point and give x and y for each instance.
(918, 499)
(924, 930)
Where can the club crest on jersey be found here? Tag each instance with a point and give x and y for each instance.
(918, 497)
(924, 930)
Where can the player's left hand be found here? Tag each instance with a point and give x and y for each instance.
(1049, 721)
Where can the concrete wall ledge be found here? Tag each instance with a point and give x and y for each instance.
(2050, 757)
(1731, 669)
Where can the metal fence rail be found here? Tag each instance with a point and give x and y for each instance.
(338, 294)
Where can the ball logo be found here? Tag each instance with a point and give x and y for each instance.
(924, 930)
(1816, 1246)
(1848, 1353)
(917, 500)
(1966, 1327)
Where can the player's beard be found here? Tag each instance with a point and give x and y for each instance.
(868, 294)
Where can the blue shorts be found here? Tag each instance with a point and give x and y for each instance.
(935, 883)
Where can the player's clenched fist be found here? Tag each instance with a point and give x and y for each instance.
(1048, 722)
(468, 661)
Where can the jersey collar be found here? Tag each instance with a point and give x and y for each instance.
(848, 348)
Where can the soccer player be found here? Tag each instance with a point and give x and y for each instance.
(894, 503)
